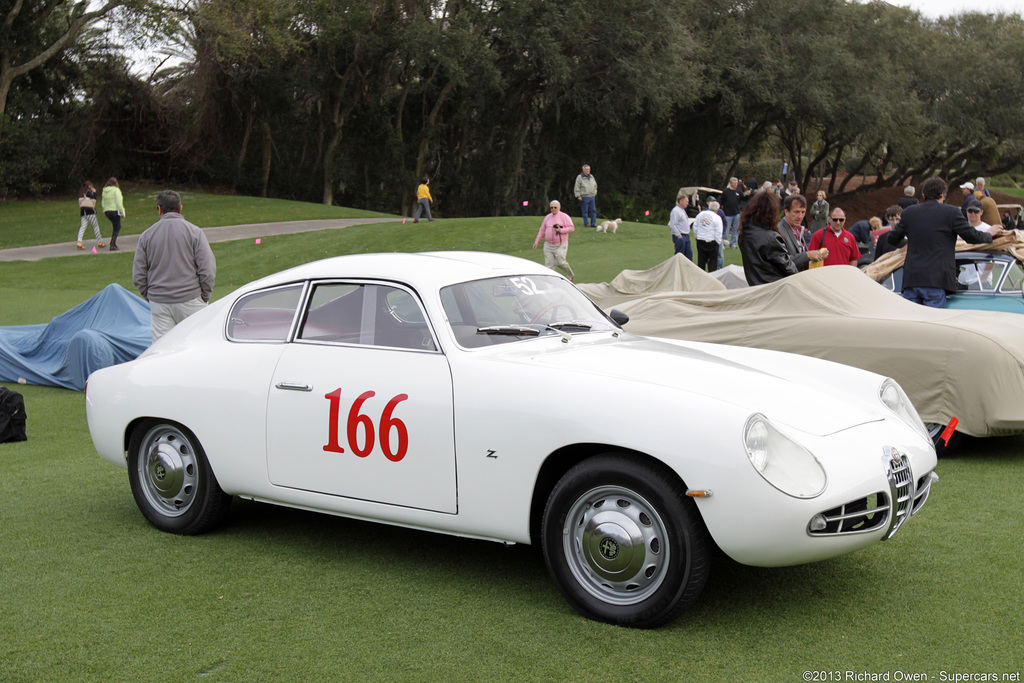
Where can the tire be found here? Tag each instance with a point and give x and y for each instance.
(623, 542)
(172, 482)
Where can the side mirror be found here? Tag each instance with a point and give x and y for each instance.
(618, 317)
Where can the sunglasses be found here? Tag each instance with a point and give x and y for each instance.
(973, 210)
(838, 220)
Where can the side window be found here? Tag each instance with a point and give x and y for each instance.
(366, 314)
(1014, 279)
(264, 316)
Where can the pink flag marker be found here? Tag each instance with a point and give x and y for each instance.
(259, 240)
(526, 203)
(94, 250)
(647, 213)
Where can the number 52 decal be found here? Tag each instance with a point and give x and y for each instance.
(388, 424)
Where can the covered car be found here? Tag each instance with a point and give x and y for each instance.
(989, 276)
(110, 328)
(952, 363)
(485, 396)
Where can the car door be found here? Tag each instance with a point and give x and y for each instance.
(361, 401)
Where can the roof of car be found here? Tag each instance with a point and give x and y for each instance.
(426, 269)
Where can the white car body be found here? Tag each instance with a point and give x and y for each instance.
(471, 439)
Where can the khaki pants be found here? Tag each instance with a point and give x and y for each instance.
(162, 317)
(554, 257)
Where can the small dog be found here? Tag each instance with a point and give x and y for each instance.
(610, 226)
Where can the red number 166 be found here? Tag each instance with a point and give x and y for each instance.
(357, 419)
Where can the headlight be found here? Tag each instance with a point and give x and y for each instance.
(895, 399)
(782, 462)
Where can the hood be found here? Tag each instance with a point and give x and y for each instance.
(811, 406)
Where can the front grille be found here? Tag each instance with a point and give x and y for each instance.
(875, 511)
(863, 514)
(901, 487)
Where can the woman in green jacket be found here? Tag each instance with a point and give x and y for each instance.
(113, 209)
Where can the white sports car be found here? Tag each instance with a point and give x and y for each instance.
(485, 396)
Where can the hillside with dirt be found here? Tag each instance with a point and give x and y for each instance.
(874, 203)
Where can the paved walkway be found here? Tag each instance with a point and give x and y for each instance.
(225, 233)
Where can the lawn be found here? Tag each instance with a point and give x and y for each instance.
(88, 591)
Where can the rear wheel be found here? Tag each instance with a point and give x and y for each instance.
(623, 542)
(172, 482)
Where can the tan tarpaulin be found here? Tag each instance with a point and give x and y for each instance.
(967, 364)
(1012, 243)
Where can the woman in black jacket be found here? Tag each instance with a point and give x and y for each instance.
(765, 258)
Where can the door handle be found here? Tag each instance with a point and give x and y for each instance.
(294, 386)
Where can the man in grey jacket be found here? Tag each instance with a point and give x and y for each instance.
(174, 267)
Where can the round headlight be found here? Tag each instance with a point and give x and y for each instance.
(780, 460)
(757, 444)
(895, 399)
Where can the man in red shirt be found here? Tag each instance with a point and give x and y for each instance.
(841, 245)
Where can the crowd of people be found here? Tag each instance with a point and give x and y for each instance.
(779, 233)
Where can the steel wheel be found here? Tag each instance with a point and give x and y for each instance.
(168, 471)
(616, 545)
(171, 480)
(623, 542)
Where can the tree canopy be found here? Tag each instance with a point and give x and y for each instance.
(500, 101)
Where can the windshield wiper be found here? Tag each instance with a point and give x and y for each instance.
(573, 324)
(513, 330)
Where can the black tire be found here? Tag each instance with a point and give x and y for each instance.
(171, 480)
(623, 542)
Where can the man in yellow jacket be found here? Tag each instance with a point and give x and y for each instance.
(423, 200)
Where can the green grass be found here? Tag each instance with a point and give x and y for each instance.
(88, 591)
(24, 224)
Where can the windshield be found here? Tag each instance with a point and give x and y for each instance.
(506, 309)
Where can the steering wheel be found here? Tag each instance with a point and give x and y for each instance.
(553, 307)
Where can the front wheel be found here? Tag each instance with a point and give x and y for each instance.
(172, 482)
(623, 542)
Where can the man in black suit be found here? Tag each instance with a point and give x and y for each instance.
(931, 229)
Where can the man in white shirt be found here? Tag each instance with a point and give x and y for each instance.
(679, 223)
(707, 228)
(969, 274)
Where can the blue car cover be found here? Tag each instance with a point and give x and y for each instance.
(110, 328)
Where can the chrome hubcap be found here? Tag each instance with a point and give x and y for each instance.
(616, 545)
(168, 470)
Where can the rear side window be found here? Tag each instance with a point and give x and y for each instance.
(367, 314)
(264, 316)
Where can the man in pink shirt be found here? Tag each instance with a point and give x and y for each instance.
(554, 230)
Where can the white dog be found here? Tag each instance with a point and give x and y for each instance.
(610, 226)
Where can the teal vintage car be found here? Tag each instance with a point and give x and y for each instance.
(986, 280)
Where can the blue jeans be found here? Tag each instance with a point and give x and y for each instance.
(683, 246)
(926, 296)
(588, 207)
(732, 230)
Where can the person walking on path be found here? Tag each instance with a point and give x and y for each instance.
(87, 212)
(423, 200)
(585, 190)
(554, 231)
(113, 209)
(174, 268)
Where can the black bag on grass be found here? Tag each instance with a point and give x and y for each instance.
(12, 416)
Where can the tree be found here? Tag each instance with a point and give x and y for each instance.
(27, 39)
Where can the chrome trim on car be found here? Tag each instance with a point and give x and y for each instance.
(871, 513)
